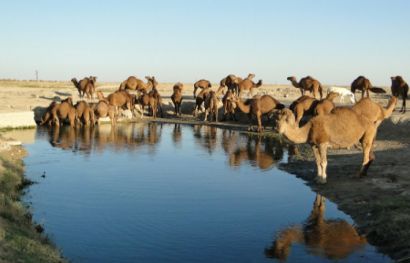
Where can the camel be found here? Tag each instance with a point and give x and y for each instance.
(307, 84)
(326, 105)
(342, 128)
(152, 100)
(121, 99)
(84, 113)
(63, 111)
(258, 106)
(334, 239)
(85, 86)
(304, 105)
(201, 84)
(399, 88)
(176, 98)
(228, 105)
(103, 109)
(363, 84)
(46, 118)
(199, 100)
(133, 83)
(231, 82)
(248, 85)
(211, 106)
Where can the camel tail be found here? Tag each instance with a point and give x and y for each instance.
(377, 90)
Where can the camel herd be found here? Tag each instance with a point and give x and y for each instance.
(324, 124)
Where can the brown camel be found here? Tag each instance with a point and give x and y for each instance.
(330, 238)
(326, 105)
(342, 128)
(133, 83)
(63, 111)
(211, 106)
(258, 106)
(228, 105)
(307, 84)
(248, 85)
(85, 86)
(201, 84)
(84, 113)
(303, 106)
(121, 99)
(152, 100)
(46, 118)
(399, 88)
(176, 98)
(103, 109)
(231, 82)
(199, 100)
(364, 85)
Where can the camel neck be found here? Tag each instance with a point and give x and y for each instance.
(296, 134)
(244, 108)
(387, 112)
(295, 83)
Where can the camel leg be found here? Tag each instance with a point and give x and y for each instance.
(318, 162)
(259, 119)
(206, 115)
(368, 154)
(323, 163)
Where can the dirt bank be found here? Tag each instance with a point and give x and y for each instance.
(20, 239)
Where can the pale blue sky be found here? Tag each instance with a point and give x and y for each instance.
(334, 41)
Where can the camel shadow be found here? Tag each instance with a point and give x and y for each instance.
(55, 98)
(66, 94)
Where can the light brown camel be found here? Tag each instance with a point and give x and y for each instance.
(303, 106)
(152, 100)
(133, 83)
(364, 85)
(307, 83)
(258, 106)
(211, 106)
(399, 88)
(229, 106)
(342, 128)
(333, 239)
(248, 85)
(85, 86)
(326, 105)
(201, 84)
(176, 97)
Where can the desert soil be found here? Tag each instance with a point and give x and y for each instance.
(379, 203)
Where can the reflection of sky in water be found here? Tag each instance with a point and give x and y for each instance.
(149, 194)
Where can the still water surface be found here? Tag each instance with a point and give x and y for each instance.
(171, 193)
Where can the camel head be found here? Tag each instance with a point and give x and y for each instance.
(331, 96)
(285, 119)
(152, 81)
(281, 247)
(75, 81)
(258, 84)
(291, 78)
(250, 76)
(69, 100)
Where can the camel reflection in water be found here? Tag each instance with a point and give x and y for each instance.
(333, 238)
(240, 149)
(118, 138)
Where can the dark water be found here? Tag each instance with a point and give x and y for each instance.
(170, 193)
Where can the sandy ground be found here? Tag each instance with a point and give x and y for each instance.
(379, 203)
